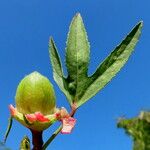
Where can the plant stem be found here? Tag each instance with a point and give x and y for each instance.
(52, 138)
(73, 110)
(37, 140)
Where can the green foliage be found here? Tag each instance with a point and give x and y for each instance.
(78, 86)
(57, 70)
(35, 92)
(77, 58)
(10, 122)
(139, 129)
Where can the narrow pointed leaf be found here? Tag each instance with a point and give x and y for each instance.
(111, 65)
(77, 56)
(10, 121)
(57, 69)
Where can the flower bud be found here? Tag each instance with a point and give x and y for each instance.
(36, 106)
(35, 103)
(35, 94)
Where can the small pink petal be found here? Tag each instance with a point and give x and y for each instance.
(68, 125)
(13, 110)
(40, 117)
(31, 117)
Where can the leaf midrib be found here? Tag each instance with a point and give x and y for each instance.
(76, 58)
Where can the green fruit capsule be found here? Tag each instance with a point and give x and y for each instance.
(35, 93)
(36, 105)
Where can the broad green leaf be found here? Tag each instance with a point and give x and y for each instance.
(78, 87)
(57, 69)
(112, 64)
(139, 129)
(77, 57)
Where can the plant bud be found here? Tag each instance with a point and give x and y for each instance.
(36, 105)
(35, 93)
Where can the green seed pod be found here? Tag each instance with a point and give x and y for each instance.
(35, 93)
(36, 105)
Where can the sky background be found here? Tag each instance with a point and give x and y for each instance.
(25, 28)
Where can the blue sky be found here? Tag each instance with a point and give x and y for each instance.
(25, 28)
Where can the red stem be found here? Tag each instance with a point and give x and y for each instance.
(73, 110)
(37, 140)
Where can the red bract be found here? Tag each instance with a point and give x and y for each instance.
(37, 116)
(38, 121)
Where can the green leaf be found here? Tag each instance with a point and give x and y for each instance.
(57, 69)
(77, 57)
(10, 121)
(139, 129)
(112, 64)
(78, 86)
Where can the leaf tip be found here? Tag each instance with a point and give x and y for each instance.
(78, 14)
(51, 42)
(50, 39)
(77, 17)
(140, 23)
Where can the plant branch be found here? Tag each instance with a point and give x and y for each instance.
(52, 138)
(37, 140)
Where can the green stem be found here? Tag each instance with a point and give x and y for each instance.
(52, 138)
